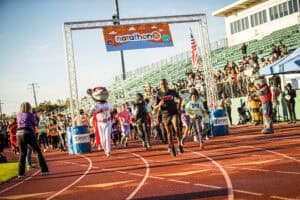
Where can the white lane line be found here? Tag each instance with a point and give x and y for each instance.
(283, 172)
(145, 177)
(178, 181)
(135, 174)
(155, 177)
(76, 181)
(274, 152)
(208, 186)
(282, 198)
(223, 171)
(230, 167)
(15, 185)
(81, 165)
(247, 192)
(246, 168)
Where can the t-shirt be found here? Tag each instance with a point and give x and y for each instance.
(61, 127)
(124, 117)
(102, 111)
(42, 126)
(169, 107)
(194, 108)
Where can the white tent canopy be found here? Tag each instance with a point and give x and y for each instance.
(288, 64)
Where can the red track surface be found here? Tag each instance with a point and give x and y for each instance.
(244, 165)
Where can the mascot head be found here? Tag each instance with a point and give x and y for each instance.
(260, 81)
(98, 93)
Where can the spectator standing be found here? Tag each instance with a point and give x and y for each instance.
(244, 49)
(12, 135)
(275, 102)
(226, 104)
(26, 136)
(290, 95)
(62, 129)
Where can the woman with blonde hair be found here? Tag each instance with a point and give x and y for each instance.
(26, 136)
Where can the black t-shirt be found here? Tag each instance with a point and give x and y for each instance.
(169, 107)
(141, 112)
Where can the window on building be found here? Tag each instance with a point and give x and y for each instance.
(280, 10)
(239, 25)
(261, 18)
(264, 16)
(271, 13)
(285, 9)
(276, 14)
(252, 20)
(293, 6)
(258, 18)
(232, 27)
(247, 22)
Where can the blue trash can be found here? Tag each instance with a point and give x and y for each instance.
(69, 139)
(219, 123)
(81, 139)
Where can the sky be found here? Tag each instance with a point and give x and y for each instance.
(32, 45)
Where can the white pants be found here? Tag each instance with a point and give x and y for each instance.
(104, 134)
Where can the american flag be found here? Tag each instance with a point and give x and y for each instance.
(195, 61)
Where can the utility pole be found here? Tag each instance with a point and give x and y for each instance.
(1, 115)
(117, 16)
(33, 86)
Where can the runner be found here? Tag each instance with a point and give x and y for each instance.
(124, 117)
(42, 134)
(100, 112)
(141, 120)
(194, 109)
(166, 102)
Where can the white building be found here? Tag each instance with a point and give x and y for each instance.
(253, 19)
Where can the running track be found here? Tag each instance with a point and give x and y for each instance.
(244, 165)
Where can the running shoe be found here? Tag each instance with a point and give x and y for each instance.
(172, 151)
(180, 149)
(195, 138)
(45, 173)
(182, 141)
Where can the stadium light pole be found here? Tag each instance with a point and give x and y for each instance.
(33, 86)
(117, 16)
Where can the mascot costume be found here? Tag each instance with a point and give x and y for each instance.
(255, 105)
(100, 117)
(265, 95)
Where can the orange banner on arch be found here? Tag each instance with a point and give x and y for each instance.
(137, 36)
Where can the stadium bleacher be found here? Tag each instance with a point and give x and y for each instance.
(122, 91)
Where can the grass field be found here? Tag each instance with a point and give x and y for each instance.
(8, 171)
